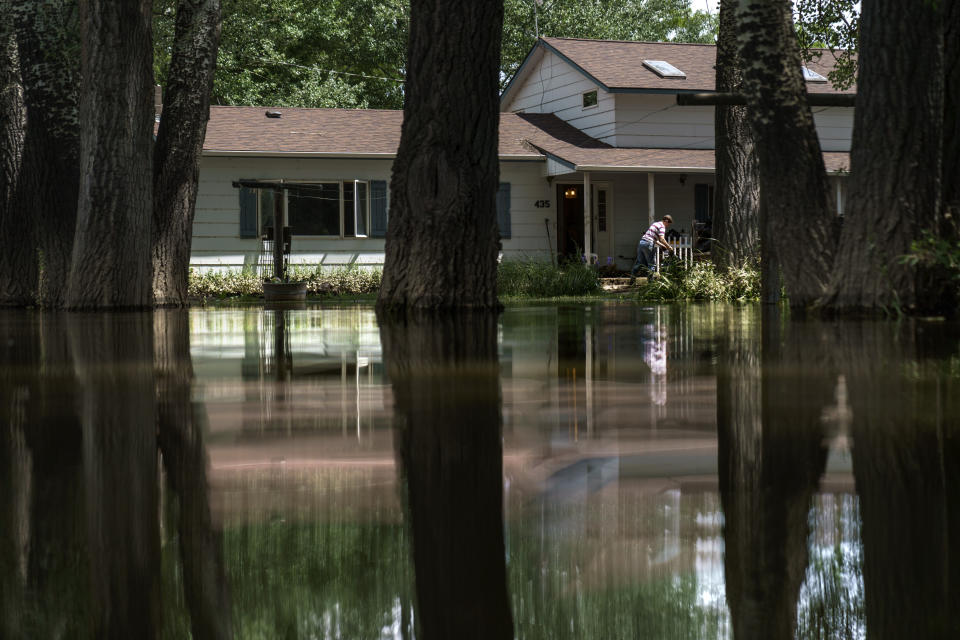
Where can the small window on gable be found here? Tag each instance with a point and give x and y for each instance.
(590, 99)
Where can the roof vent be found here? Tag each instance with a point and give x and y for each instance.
(664, 69)
(812, 76)
(274, 114)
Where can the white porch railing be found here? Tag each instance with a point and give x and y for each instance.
(684, 248)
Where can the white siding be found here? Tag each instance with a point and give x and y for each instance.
(216, 230)
(834, 127)
(655, 120)
(553, 86)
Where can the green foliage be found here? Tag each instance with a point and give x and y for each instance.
(833, 25)
(647, 20)
(937, 252)
(298, 53)
(703, 281)
(539, 279)
(320, 281)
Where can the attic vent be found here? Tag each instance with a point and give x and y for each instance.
(664, 69)
(274, 114)
(812, 76)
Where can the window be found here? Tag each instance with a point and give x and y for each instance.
(340, 208)
(602, 210)
(590, 99)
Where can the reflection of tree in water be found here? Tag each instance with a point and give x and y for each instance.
(445, 377)
(771, 457)
(905, 406)
(89, 426)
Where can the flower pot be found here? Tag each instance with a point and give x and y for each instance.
(284, 291)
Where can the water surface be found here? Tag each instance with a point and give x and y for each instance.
(606, 470)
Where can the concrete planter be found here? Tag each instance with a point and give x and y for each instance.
(284, 291)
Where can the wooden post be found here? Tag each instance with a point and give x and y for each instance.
(650, 200)
(587, 219)
(278, 225)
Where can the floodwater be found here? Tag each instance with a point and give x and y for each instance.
(603, 471)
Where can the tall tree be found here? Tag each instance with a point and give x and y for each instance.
(736, 214)
(176, 155)
(17, 271)
(111, 258)
(442, 243)
(796, 218)
(48, 43)
(896, 157)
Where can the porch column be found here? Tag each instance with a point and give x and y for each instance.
(839, 196)
(587, 219)
(650, 198)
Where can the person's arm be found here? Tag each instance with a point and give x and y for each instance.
(663, 243)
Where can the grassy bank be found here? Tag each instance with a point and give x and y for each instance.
(702, 282)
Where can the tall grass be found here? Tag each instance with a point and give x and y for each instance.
(340, 281)
(540, 279)
(702, 281)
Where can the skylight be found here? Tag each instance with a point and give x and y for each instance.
(664, 69)
(812, 76)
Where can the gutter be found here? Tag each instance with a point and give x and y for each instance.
(216, 153)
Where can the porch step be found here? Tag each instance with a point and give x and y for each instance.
(621, 284)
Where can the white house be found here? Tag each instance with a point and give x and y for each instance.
(579, 117)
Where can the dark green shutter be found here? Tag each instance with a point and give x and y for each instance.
(503, 209)
(701, 202)
(248, 213)
(378, 208)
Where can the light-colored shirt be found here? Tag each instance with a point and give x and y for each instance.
(656, 230)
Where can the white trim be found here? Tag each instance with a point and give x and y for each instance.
(643, 169)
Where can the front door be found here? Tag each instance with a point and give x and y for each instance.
(603, 222)
(570, 220)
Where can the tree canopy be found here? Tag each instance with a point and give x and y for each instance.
(298, 53)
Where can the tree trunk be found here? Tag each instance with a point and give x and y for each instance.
(895, 158)
(111, 259)
(18, 268)
(50, 175)
(176, 156)
(736, 214)
(442, 245)
(446, 386)
(792, 174)
(180, 436)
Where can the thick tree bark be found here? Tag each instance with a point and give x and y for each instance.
(446, 385)
(895, 158)
(771, 456)
(18, 267)
(176, 155)
(180, 436)
(792, 174)
(442, 245)
(49, 48)
(111, 258)
(736, 214)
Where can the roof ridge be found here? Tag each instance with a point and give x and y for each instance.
(698, 44)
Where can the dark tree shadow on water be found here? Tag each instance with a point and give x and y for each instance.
(773, 384)
(79, 503)
(444, 373)
(904, 384)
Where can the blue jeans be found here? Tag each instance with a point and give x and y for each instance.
(645, 258)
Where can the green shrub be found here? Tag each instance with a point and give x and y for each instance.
(540, 279)
(702, 281)
(350, 280)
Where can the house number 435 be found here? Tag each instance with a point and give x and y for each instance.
(542, 204)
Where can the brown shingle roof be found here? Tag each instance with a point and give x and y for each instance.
(619, 64)
(359, 132)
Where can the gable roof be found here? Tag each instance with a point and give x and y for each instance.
(617, 66)
(364, 133)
